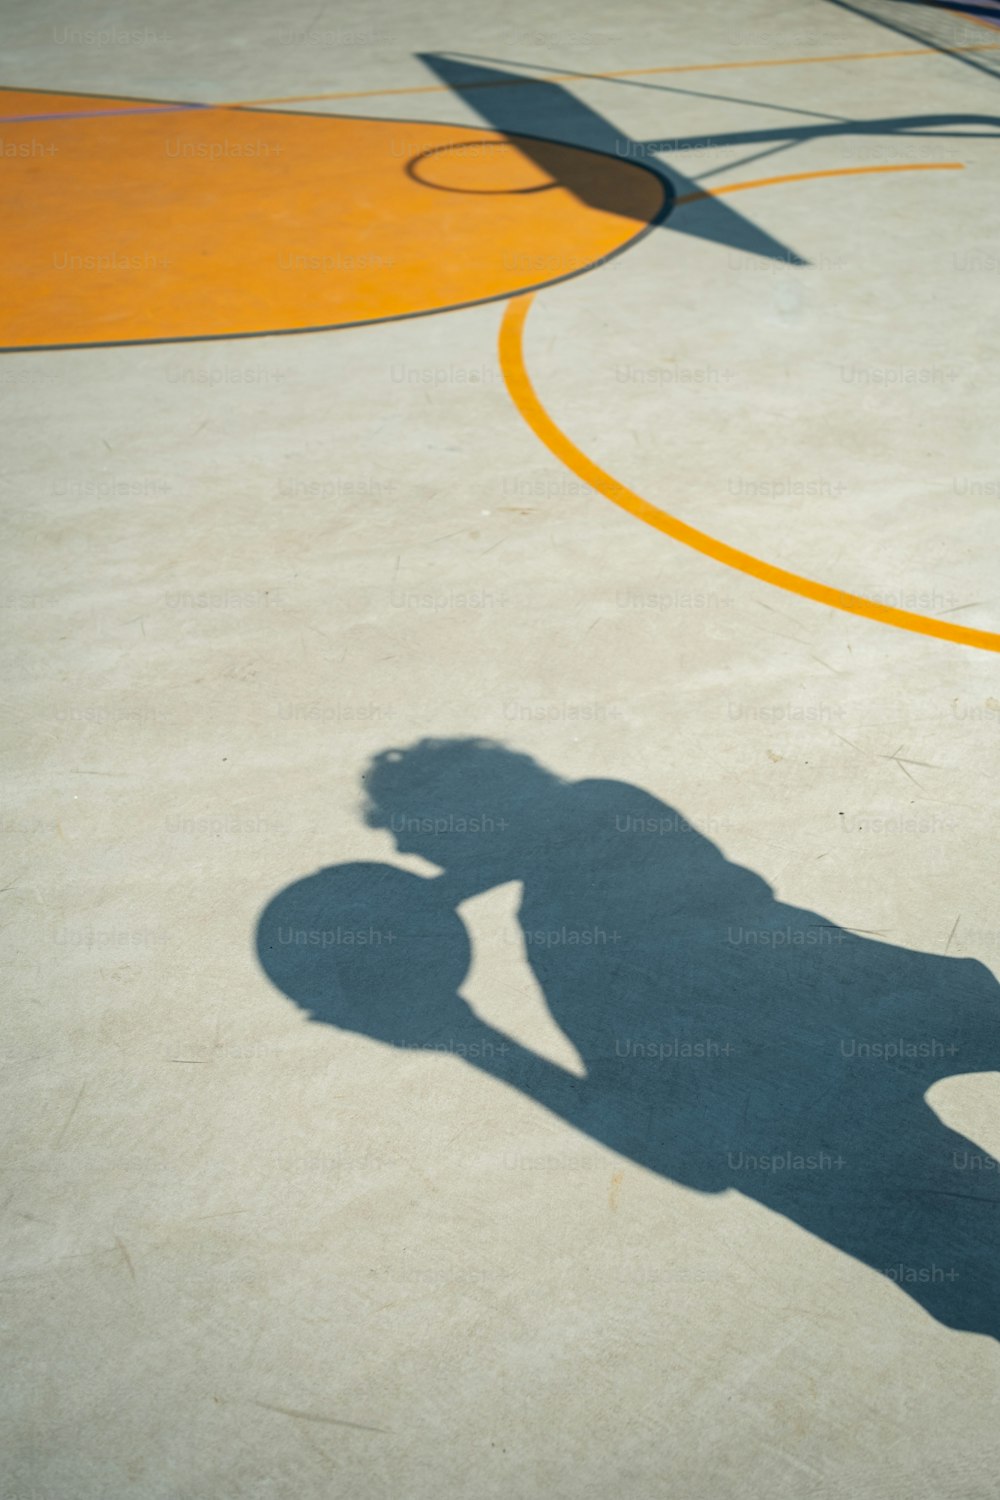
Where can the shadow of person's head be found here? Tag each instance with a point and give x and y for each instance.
(371, 949)
(486, 814)
(472, 807)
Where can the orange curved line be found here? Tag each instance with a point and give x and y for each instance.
(756, 182)
(524, 397)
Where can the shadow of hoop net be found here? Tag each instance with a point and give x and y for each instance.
(946, 27)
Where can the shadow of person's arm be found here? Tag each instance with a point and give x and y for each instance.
(499, 1056)
(373, 949)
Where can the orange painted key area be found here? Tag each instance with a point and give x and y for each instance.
(129, 221)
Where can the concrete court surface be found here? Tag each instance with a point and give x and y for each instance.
(256, 1249)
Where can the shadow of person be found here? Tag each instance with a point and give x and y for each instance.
(730, 1041)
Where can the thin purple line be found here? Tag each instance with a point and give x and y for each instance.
(90, 114)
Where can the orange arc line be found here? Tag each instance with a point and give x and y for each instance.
(525, 398)
(740, 187)
(766, 62)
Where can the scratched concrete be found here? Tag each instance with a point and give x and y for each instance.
(250, 1256)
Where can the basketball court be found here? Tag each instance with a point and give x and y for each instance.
(503, 720)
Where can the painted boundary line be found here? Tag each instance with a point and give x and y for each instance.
(526, 399)
(446, 88)
(716, 67)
